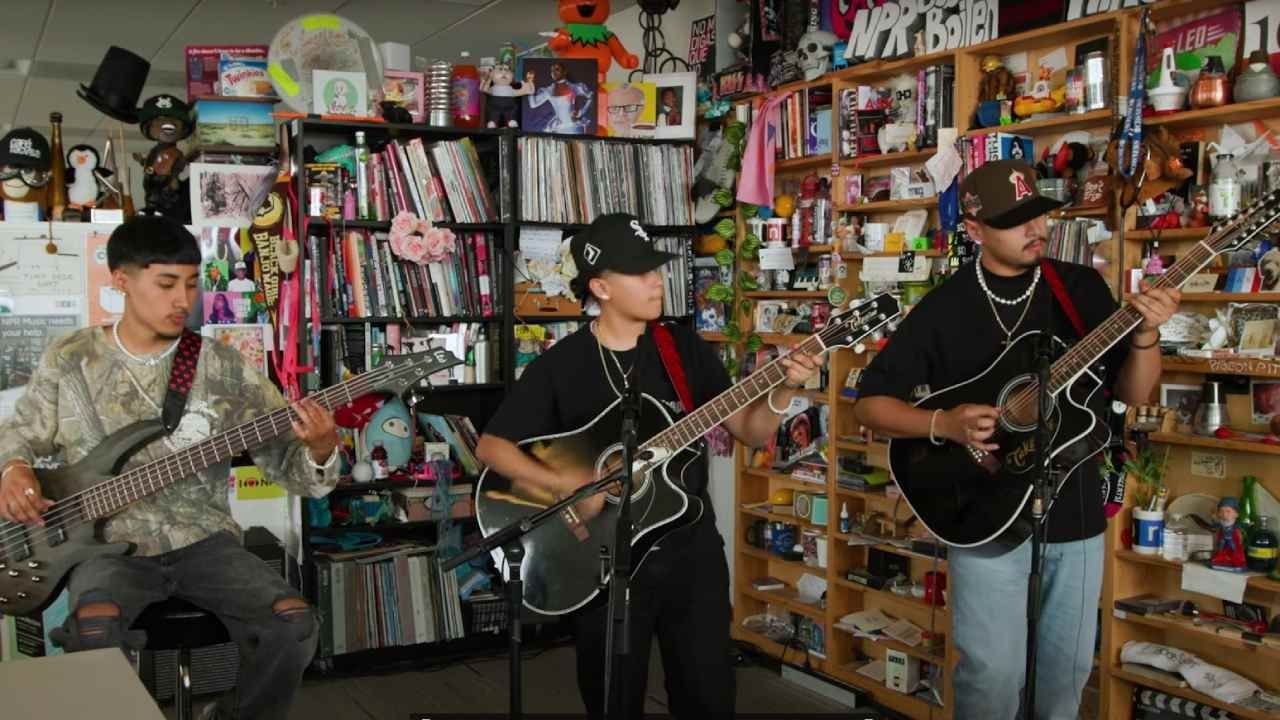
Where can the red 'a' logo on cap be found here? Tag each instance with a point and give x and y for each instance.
(1021, 189)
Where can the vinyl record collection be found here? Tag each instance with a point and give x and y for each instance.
(677, 284)
(574, 181)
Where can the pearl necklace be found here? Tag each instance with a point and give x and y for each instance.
(148, 361)
(982, 282)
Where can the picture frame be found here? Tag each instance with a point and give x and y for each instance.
(628, 109)
(252, 341)
(676, 95)
(1264, 400)
(228, 195)
(407, 90)
(564, 98)
(338, 92)
(1182, 399)
(225, 307)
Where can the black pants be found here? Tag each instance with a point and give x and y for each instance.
(681, 594)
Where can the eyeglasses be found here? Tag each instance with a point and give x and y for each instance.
(34, 177)
(620, 109)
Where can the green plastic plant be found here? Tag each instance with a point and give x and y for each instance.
(1149, 474)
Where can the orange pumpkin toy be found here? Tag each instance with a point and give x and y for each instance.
(585, 36)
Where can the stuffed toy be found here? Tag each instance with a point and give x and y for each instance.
(502, 106)
(1162, 169)
(584, 35)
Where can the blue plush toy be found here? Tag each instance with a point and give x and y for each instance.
(391, 427)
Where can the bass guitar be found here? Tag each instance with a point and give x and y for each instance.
(975, 499)
(561, 566)
(34, 561)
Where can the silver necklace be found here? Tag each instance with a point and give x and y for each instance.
(982, 282)
(149, 361)
(626, 374)
(993, 299)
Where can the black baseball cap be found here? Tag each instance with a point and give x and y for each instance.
(616, 242)
(24, 147)
(1003, 194)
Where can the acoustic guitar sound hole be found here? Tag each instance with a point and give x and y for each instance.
(1017, 404)
(610, 462)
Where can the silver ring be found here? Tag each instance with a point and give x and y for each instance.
(29, 492)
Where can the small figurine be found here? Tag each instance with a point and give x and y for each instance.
(25, 172)
(378, 457)
(1228, 540)
(166, 120)
(82, 177)
(502, 107)
(997, 81)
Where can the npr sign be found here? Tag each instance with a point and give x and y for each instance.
(888, 30)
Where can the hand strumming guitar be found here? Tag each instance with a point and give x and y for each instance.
(969, 424)
(20, 497)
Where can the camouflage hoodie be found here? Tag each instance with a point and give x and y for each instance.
(85, 388)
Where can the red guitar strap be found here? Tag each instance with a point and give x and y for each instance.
(671, 361)
(1060, 292)
(181, 377)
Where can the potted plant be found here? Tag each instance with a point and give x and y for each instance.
(1147, 472)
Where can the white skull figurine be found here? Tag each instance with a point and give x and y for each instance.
(814, 53)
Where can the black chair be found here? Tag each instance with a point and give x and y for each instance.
(176, 624)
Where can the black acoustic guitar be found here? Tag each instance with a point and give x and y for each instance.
(561, 566)
(975, 499)
(34, 561)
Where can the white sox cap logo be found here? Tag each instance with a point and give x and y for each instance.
(639, 231)
(590, 253)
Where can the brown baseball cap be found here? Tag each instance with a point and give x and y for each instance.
(1003, 194)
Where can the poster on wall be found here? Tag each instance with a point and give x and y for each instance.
(41, 274)
(105, 304)
(902, 29)
(252, 341)
(702, 47)
(23, 339)
(1195, 40)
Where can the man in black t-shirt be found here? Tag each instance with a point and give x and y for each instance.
(680, 591)
(953, 335)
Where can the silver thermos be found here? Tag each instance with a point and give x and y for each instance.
(1211, 414)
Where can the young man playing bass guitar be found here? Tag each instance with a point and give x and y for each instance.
(680, 590)
(951, 337)
(98, 380)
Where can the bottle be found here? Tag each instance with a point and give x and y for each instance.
(1261, 549)
(1173, 541)
(1248, 505)
(1224, 189)
(465, 85)
(362, 177)
(58, 176)
(844, 518)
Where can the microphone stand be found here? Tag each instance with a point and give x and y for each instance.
(509, 539)
(1042, 495)
(618, 629)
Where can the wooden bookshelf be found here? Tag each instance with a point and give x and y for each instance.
(1061, 124)
(890, 206)
(1170, 438)
(1167, 235)
(1225, 115)
(909, 157)
(1253, 367)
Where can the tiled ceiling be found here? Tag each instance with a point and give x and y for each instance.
(52, 46)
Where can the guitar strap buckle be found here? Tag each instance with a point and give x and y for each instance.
(181, 376)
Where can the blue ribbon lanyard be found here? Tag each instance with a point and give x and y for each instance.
(1129, 147)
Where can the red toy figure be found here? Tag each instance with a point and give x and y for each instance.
(585, 36)
(1228, 541)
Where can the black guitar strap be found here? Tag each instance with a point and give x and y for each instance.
(181, 377)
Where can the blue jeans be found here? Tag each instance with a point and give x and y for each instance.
(989, 611)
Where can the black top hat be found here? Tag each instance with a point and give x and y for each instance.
(117, 85)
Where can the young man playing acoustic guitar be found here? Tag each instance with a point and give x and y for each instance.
(954, 334)
(98, 380)
(681, 590)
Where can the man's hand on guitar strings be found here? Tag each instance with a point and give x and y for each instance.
(573, 478)
(20, 498)
(313, 425)
(800, 367)
(970, 424)
(1157, 305)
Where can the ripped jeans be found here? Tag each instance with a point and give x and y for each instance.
(219, 575)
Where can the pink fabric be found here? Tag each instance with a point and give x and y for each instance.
(755, 184)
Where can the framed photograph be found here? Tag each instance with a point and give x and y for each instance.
(677, 98)
(564, 99)
(228, 195)
(1182, 399)
(628, 109)
(1265, 396)
(336, 92)
(406, 90)
(253, 342)
(853, 188)
(1269, 270)
(234, 308)
(236, 122)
